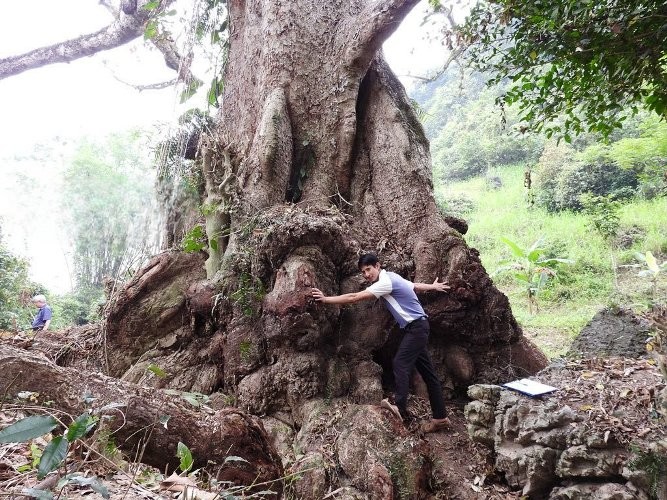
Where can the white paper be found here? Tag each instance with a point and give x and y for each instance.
(530, 387)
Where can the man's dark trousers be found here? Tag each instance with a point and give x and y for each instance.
(413, 353)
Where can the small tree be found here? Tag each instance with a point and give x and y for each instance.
(107, 197)
(653, 270)
(531, 269)
(605, 220)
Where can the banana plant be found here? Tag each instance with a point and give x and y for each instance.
(653, 269)
(531, 269)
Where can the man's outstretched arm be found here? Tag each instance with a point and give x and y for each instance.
(347, 298)
(436, 286)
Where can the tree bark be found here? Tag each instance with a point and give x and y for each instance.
(135, 415)
(316, 157)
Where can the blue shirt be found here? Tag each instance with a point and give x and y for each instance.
(43, 315)
(399, 296)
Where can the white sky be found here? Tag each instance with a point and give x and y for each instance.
(84, 98)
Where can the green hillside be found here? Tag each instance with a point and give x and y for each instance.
(584, 287)
(481, 157)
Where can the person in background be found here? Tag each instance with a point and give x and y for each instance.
(43, 317)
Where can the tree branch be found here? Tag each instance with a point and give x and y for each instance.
(373, 26)
(123, 30)
(149, 86)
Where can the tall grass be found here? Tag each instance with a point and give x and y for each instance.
(582, 288)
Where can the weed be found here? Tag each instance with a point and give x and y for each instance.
(245, 350)
(249, 294)
(653, 464)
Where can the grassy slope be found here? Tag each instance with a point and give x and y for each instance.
(584, 287)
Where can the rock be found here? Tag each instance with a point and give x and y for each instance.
(661, 403)
(612, 332)
(480, 419)
(581, 461)
(531, 468)
(540, 444)
(594, 491)
(484, 392)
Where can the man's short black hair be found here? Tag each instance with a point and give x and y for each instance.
(367, 259)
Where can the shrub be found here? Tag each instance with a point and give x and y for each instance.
(77, 308)
(564, 176)
(16, 290)
(457, 205)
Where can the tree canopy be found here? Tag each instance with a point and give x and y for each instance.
(106, 196)
(576, 65)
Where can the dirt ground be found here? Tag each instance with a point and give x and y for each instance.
(612, 332)
(615, 394)
(462, 469)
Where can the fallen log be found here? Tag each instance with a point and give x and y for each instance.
(149, 423)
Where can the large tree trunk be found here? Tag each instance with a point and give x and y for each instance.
(317, 156)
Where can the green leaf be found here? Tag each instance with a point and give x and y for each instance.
(54, 453)
(213, 244)
(39, 494)
(164, 419)
(35, 454)
(534, 255)
(155, 369)
(92, 482)
(544, 277)
(516, 249)
(191, 398)
(150, 31)
(28, 428)
(190, 90)
(652, 263)
(184, 454)
(152, 5)
(215, 91)
(80, 427)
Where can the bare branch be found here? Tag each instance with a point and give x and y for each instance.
(373, 26)
(166, 46)
(123, 30)
(150, 86)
